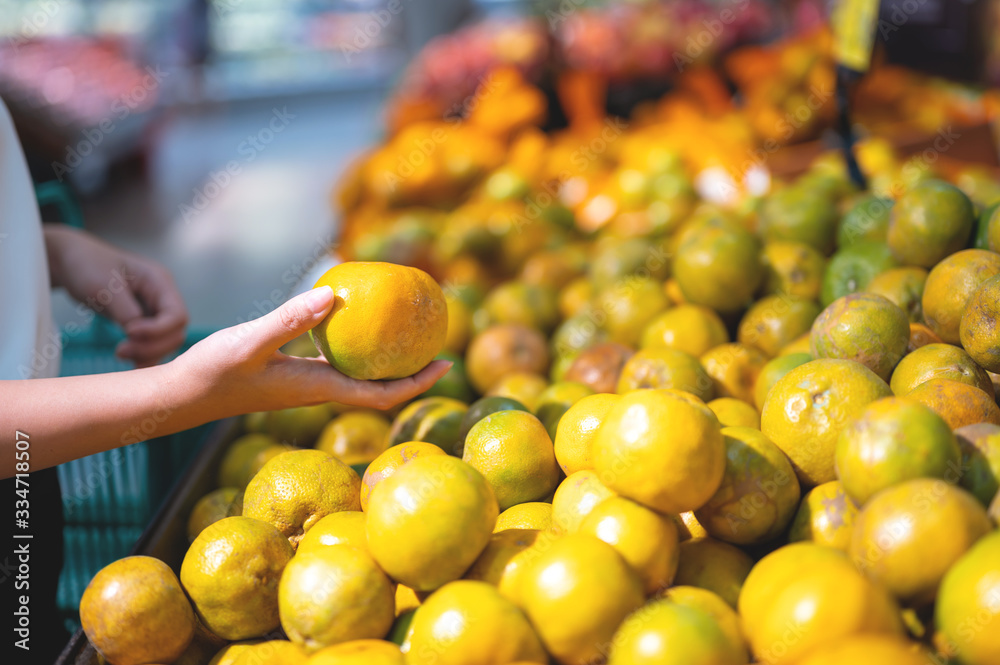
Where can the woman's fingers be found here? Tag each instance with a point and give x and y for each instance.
(333, 386)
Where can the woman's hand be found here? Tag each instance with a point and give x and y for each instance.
(240, 369)
(136, 293)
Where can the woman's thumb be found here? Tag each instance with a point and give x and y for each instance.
(293, 318)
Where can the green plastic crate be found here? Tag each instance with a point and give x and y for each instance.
(87, 550)
(126, 485)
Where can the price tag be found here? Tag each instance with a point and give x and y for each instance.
(854, 32)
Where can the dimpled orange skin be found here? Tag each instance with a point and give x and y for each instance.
(388, 321)
(359, 652)
(389, 462)
(514, 453)
(938, 361)
(429, 521)
(893, 440)
(344, 528)
(929, 222)
(775, 321)
(711, 564)
(576, 431)
(734, 369)
(807, 408)
(668, 633)
(576, 594)
(630, 304)
(356, 437)
(978, 331)
(903, 286)
(690, 328)
(718, 264)
(864, 327)
(500, 561)
(599, 366)
(210, 509)
(665, 368)
(231, 573)
(966, 610)
(908, 536)
(505, 349)
(870, 650)
(296, 489)
(575, 497)
(825, 516)
(793, 268)
(958, 403)
(920, 336)
(272, 652)
(713, 604)
(661, 450)
(334, 595)
(134, 611)
(775, 571)
(733, 412)
(774, 370)
(759, 491)
(949, 287)
(646, 539)
(980, 446)
(530, 515)
(820, 606)
(469, 622)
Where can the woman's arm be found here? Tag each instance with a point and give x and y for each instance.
(236, 370)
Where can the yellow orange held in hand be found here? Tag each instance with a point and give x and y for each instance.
(388, 321)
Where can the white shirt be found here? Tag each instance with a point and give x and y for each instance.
(29, 343)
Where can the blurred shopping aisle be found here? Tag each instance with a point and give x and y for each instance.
(238, 238)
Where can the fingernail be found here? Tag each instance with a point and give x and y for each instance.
(318, 299)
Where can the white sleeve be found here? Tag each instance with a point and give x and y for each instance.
(29, 344)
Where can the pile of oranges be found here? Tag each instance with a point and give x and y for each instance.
(688, 434)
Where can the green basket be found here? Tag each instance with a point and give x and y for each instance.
(87, 550)
(123, 486)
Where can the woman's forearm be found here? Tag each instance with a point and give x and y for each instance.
(233, 371)
(70, 417)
